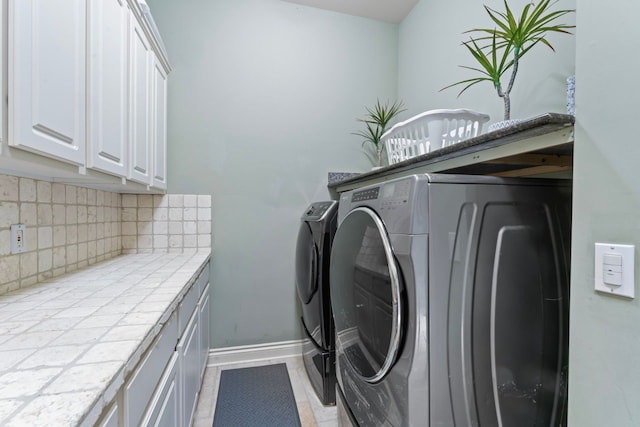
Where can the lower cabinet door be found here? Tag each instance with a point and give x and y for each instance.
(140, 388)
(188, 349)
(205, 317)
(111, 417)
(164, 410)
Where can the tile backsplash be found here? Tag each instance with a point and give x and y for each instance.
(173, 222)
(67, 227)
(70, 227)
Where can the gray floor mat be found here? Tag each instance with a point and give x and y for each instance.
(257, 396)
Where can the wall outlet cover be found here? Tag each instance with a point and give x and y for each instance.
(18, 236)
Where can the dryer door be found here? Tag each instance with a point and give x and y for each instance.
(306, 264)
(365, 295)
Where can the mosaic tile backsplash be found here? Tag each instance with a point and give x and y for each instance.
(70, 227)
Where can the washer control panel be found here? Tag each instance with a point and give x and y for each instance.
(389, 194)
(368, 194)
(316, 211)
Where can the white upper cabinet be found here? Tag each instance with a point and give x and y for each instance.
(47, 60)
(140, 104)
(108, 76)
(87, 91)
(159, 122)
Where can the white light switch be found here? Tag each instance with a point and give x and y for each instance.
(612, 259)
(614, 269)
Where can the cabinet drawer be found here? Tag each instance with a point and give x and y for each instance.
(141, 385)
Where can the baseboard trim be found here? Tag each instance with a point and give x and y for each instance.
(254, 353)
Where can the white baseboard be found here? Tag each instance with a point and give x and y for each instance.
(254, 353)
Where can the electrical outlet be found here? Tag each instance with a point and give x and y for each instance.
(18, 236)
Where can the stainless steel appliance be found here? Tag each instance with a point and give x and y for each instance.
(450, 300)
(317, 227)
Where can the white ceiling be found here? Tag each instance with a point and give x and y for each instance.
(392, 11)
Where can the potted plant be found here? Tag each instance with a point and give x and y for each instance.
(376, 121)
(498, 50)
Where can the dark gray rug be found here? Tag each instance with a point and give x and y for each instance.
(259, 396)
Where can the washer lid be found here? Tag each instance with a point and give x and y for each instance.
(365, 295)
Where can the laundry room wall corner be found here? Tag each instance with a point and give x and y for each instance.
(263, 100)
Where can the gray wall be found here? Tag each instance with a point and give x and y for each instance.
(604, 378)
(430, 55)
(263, 99)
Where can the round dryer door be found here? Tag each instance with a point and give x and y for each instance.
(306, 264)
(365, 295)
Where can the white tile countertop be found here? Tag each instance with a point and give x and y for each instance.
(66, 345)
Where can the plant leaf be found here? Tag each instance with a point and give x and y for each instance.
(496, 50)
(376, 120)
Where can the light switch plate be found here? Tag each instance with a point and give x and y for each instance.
(627, 287)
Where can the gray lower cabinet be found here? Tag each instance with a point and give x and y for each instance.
(205, 321)
(165, 407)
(163, 388)
(141, 386)
(189, 351)
(111, 417)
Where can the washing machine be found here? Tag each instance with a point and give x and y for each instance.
(450, 301)
(313, 250)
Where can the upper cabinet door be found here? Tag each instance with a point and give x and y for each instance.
(108, 96)
(159, 135)
(47, 60)
(140, 102)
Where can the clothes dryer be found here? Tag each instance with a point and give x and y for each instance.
(313, 249)
(450, 301)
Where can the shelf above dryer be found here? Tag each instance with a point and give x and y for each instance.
(538, 147)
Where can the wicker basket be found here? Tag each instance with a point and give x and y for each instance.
(430, 131)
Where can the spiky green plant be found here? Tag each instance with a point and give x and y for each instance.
(376, 121)
(500, 49)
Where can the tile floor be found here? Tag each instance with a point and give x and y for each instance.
(312, 412)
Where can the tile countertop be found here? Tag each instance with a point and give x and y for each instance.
(67, 345)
